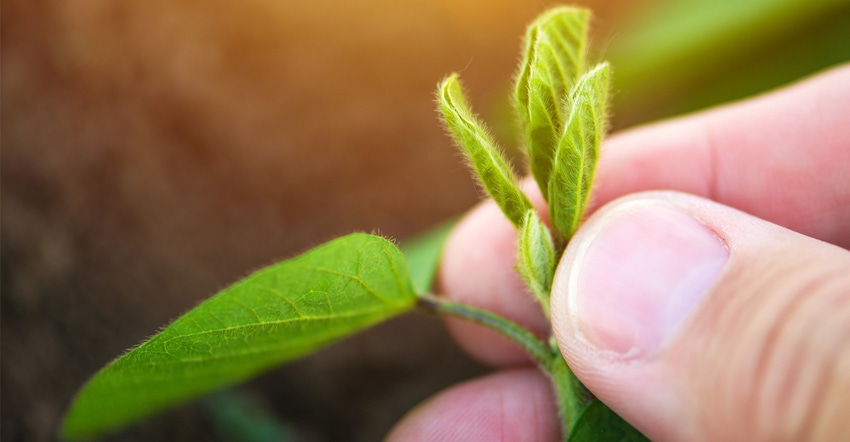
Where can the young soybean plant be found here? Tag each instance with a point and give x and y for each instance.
(562, 112)
(296, 307)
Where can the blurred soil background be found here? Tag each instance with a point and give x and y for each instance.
(154, 152)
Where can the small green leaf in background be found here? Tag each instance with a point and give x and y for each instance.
(536, 258)
(598, 423)
(578, 150)
(490, 166)
(277, 314)
(553, 58)
(423, 254)
(235, 417)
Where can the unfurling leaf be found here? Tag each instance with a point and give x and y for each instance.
(277, 314)
(578, 150)
(553, 58)
(597, 423)
(490, 166)
(536, 260)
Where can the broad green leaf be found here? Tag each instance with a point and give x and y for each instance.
(536, 258)
(578, 150)
(553, 58)
(490, 166)
(598, 423)
(277, 314)
(423, 255)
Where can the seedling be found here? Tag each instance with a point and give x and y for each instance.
(296, 307)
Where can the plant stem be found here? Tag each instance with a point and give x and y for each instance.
(571, 395)
(541, 353)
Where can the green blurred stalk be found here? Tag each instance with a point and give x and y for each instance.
(682, 55)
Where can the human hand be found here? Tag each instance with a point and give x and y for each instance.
(721, 313)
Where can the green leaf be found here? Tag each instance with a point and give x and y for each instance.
(490, 166)
(236, 417)
(423, 255)
(277, 314)
(578, 150)
(536, 260)
(598, 423)
(553, 58)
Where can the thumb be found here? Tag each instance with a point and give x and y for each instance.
(695, 321)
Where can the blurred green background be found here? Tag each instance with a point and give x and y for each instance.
(153, 152)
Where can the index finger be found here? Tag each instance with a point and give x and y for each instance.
(784, 157)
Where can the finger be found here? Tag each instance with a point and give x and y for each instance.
(695, 321)
(783, 157)
(516, 405)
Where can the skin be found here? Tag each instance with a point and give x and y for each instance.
(763, 356)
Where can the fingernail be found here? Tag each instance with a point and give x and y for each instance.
(639, 277)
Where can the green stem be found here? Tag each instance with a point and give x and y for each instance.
(536, 348)
(571, 395)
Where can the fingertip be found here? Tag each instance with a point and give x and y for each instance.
(611, 327)
(515, 405)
